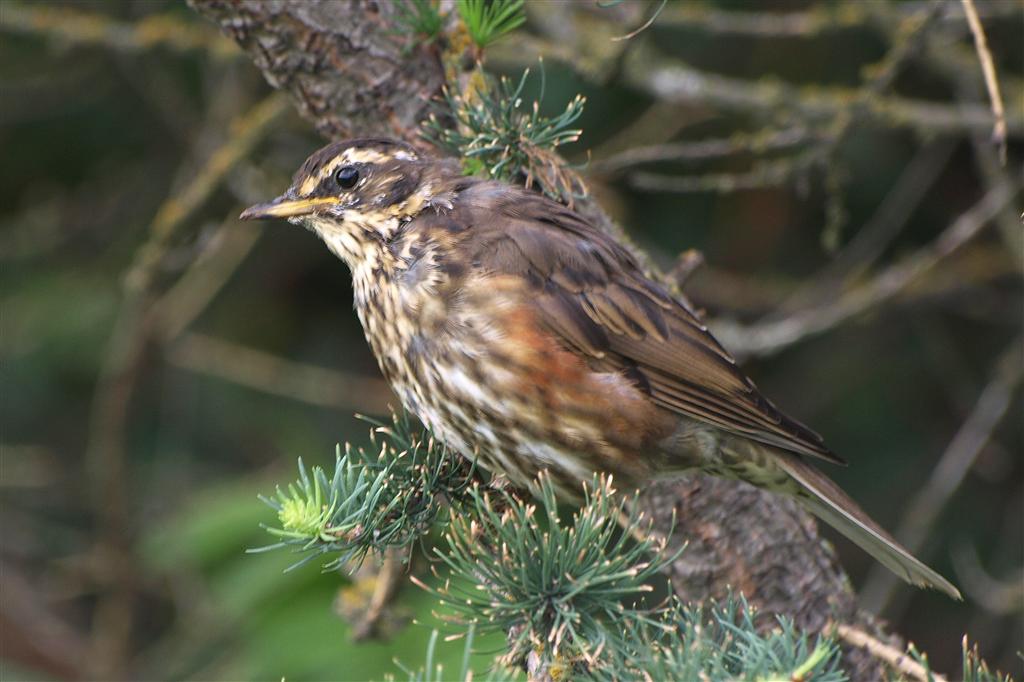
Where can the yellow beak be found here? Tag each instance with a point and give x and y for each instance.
(282, 207)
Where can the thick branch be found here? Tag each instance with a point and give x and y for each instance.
(347, 74)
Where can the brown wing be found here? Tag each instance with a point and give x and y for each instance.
(593, 296)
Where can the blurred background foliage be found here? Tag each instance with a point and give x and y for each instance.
(128, 562)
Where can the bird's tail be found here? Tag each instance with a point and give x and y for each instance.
(827, 501)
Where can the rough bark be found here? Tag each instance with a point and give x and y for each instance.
(340, 61)
(349, 76)
(741, 538)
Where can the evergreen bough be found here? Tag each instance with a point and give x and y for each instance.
(571, 592)
(490, 130)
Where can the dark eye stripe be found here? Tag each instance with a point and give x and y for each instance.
(328, 185)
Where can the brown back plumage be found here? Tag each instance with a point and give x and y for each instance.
(592, 295)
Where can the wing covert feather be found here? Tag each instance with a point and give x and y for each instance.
(592, 295)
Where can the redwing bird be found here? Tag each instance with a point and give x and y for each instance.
(528, 340)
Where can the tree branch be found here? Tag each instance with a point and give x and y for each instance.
(675, 81)
(773, 335)
(901, 662)
(822, 18)
(991, 82)
(345, 72)
(158, 31)
(952, 468)
(268, 373)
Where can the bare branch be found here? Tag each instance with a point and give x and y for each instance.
(822, 18)
(870, 241)
(770, 173)
(344, 71)
(67, 25)
(991, 82)
(125, 353)
(364, 602)
(270, 374)
(246, 133)
(999, 596)
(702, 150)
(899, 661)
(35, 637)
(952, 468)
(767, 338)
(192, 293)
(675, 81)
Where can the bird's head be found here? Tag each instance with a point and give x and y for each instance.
(356, 193)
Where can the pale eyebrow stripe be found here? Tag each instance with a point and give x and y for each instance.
(313, 181)
(348, 156)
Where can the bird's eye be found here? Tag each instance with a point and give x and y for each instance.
(346, 177)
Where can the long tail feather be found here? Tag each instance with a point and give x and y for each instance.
(827, 501)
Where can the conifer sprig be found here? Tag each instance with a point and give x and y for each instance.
(975, 669)
(564, 589)
(494, 134)
(433, 672)
(387, 495)
(569, 594)
(488, 20)
(719, 641)
(419, 19)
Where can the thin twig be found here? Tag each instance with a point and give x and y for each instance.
(767, 338)
(706, 17)
(246, 133)
(954, 59)
(906, 42)
(991, 82)
(951, 469)
(898, 660)
(687, 264)
(386, 582)
(194, 290)
(104, 450)
(702, 150)
(821, 18)
(871, 241)
(959, 64)
(75, 27)
(108, 420)
(765, 173)
(271, 374)
(643, 27)
(1002, 597)
(35, 637)
(675, 81)
(1009, 220)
